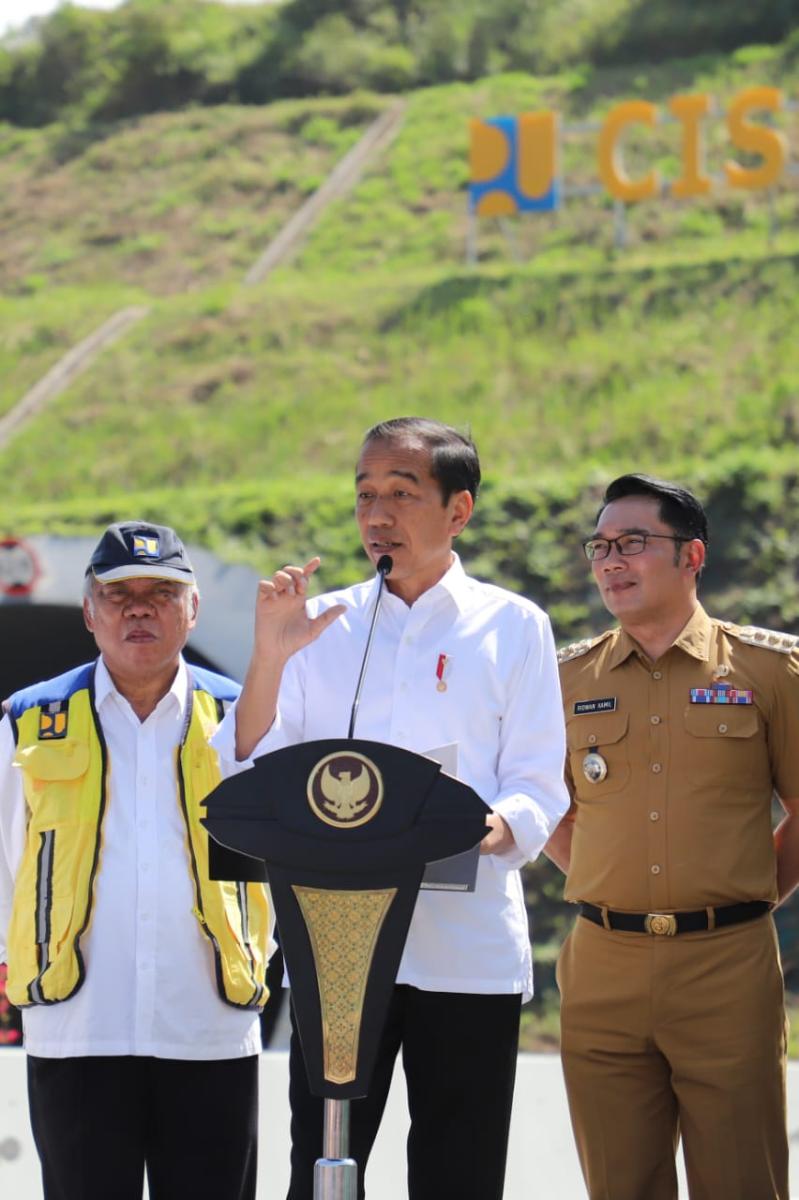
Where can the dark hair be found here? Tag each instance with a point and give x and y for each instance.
(678, 508)
(453, 456)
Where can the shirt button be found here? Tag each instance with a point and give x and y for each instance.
(592, 739)
(657, 674)
(654, 720)
(655, 869)
(722, 728)
(656, 768)
(654, 816)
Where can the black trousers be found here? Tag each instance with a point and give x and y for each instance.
(98, 1121)
(459, 1056)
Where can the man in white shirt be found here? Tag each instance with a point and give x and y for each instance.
(453, 661)
(140, 979)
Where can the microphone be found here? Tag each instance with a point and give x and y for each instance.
(384, 566)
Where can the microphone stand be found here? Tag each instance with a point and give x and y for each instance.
(384, 566)
(335, 1175)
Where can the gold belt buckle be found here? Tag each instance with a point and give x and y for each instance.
(661, 924)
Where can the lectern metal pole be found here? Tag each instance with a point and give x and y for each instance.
(335, 1177)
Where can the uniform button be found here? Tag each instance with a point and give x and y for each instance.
(722, 728)
(656, 768)
(654, 816)
(655, 869)
(592, 739)
(654, 720)
(657, 674)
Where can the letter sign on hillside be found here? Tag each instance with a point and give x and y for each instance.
(515, 161)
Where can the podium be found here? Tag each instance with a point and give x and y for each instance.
(343, 831)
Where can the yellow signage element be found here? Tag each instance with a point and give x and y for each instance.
(769, 144)
(690, 110)
(611, 166)
(694, 180)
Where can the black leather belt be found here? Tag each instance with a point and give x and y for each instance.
(668, 924)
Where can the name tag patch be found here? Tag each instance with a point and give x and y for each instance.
(607, 704)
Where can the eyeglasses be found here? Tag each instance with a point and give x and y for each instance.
(629, 543)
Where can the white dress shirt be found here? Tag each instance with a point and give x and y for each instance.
(501, 706)
(150, 986)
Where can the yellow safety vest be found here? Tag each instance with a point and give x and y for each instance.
(62, 755)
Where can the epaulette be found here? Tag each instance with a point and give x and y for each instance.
(769, 639)
(576, 649)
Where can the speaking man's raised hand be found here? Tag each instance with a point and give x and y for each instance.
(282, 624)
(282, 627)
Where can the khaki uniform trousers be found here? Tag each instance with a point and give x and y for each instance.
(670, 1036)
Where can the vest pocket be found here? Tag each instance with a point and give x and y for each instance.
(53, 781)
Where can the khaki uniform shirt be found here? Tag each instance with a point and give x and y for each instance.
(682, 819)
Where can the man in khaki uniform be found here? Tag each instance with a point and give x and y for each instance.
(680, 728)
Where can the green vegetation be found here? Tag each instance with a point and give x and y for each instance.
(155, 55)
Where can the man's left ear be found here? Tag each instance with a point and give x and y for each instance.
(462, 509)
(695, 555)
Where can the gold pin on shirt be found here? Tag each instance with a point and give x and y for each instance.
(442, 669)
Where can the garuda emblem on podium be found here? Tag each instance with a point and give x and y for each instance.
(345, 789)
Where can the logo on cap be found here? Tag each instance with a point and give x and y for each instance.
(145, 547)
(345, 790)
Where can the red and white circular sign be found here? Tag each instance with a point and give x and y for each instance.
(19, 567)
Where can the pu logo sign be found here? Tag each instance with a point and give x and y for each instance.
(514, 165)
(515, 160)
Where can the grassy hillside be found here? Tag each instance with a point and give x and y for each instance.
(165, 203)
(578, 360)
(553, 373)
